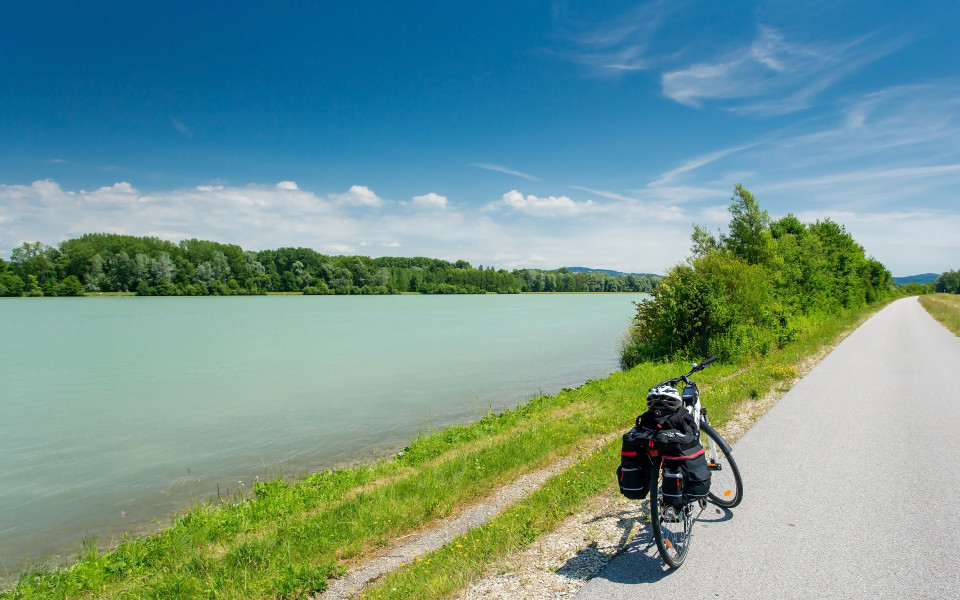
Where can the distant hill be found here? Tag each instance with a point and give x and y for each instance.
(922, 278)
(607, 271)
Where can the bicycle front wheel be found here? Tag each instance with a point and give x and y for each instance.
(726, 486)
(671, 525)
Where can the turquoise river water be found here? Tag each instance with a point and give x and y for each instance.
(117, 412)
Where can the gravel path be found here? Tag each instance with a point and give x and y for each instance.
(408, 548)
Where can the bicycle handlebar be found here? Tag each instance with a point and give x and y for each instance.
(696, 367)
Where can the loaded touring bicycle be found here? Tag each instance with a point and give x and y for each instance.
(676, 457)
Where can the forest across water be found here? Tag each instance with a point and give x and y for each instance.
(149, 266)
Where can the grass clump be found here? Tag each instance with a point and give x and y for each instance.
(944, 308)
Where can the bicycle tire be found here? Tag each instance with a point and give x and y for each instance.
(671, 529)
(726, 485)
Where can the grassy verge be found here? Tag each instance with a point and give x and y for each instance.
(288, 539)
(944, 308)
(453, 567)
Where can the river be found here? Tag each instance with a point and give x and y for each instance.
(117, 412)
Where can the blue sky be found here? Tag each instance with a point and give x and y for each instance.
(532, 134)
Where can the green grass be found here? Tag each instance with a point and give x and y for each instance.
(287, 539)
(944, 308)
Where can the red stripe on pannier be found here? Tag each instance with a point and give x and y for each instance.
(628, 454)
(702, 451)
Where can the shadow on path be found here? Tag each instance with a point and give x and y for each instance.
(639, 561)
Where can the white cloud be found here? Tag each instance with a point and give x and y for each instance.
(287, 185)
(550, 206)
(430, 201)
(358, 195)
(624, 236)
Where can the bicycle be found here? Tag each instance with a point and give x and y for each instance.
(673, 524)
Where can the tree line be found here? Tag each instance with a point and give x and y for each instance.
(755, 288)
(948, 283)
(149, 266)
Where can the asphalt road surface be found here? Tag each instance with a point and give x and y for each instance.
(851, 483)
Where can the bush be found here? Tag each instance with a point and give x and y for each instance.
(754, 290)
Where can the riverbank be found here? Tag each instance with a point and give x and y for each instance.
(288, 540)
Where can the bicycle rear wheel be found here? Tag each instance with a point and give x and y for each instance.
(726, 486)
(671, 525)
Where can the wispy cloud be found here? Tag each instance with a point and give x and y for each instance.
(777, 75)
(179, 126)
(670, 176)
(501, 169)
(904, 123)
(605, 194)
(622, 44)
(879, 176)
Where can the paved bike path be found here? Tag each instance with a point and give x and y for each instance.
(851, 483)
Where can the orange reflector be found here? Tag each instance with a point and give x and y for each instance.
(668, 543)
(728, 492)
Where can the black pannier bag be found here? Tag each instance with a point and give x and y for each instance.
(633, 474)
(686, 476)
(672, 485)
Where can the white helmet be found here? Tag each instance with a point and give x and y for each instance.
(664, 398)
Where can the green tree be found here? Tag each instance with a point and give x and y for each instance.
(35, 259)
(71, 286)
(33, 286)
(162, 269)
(11, 285)
(948, 283)
(750, 237)
(95, 278)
